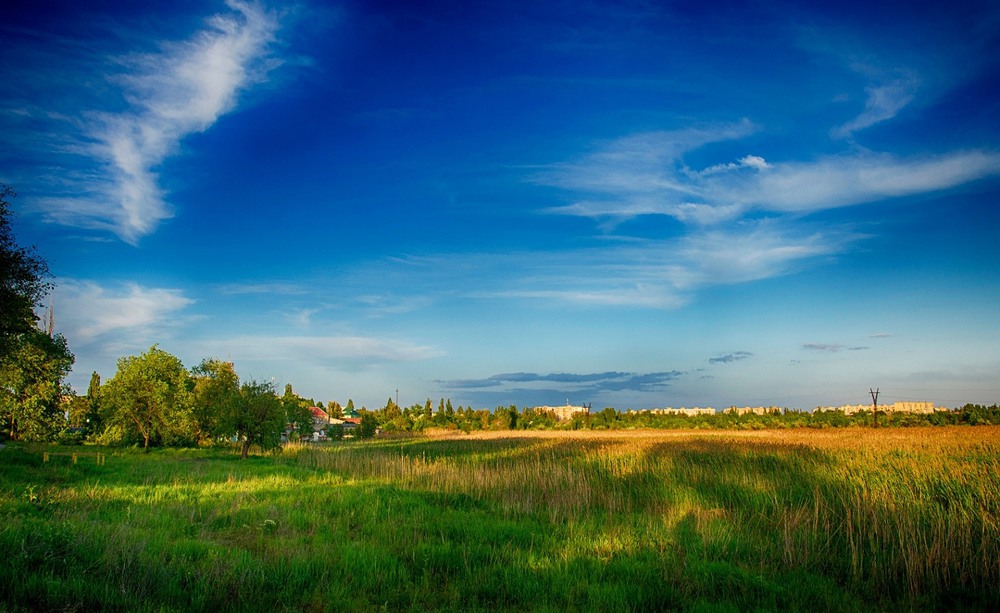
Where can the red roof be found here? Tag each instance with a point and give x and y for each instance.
(319, 413)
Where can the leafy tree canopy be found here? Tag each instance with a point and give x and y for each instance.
(148, 399)
(23, 282)
(255, 417)
(215, 388)
(33, 363)
(297, 412)
(31, 375)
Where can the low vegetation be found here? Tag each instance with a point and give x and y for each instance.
(837, 519)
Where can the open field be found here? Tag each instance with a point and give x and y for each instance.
(845, 519)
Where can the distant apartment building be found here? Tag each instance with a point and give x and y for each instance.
(564, 413)
(681, 411)
(896, 407)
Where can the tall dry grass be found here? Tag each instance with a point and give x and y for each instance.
(903, 511)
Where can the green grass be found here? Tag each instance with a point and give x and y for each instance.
(611, 522)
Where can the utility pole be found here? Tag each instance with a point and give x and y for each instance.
(874, 406)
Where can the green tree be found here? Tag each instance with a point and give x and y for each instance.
(92, 418)
(297, 412)
(33, 363)
(256, 416)
(77, 408)
(512, 416)
(607, 418)
(23, 282)
(390, 412)
(31, 384)
(148, 399)
(367, 427)
(215, 388)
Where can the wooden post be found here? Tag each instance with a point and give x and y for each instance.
(74, 458)
(45, 456)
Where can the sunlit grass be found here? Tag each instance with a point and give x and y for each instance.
(842, 520)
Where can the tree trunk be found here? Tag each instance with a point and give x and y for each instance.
(246, 448)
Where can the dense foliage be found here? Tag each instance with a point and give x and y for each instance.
(148, 400)
(255, 417)
(23, 275)
(33, 362)
(154, 401)
(31, 376)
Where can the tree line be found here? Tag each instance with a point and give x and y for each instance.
(153, 400)
(416, 418)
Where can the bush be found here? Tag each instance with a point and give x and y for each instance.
(367, 427)
(70, 436)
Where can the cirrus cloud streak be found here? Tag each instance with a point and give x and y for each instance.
(181, 89)
(645, 174)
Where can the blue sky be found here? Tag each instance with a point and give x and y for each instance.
(624, 204)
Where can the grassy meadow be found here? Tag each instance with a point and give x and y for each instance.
(845, 519)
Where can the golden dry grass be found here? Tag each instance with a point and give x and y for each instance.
(914, 510)
(927, 437)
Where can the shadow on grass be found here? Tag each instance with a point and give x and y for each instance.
(213, 532)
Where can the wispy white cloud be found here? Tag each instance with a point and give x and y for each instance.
(640, 174)
(182, 88)
(632, 296)
(754, 251)
(723, 239)
(856, 179)
(663, 274)
(274, 288)
(749, 161)
(303, 317)
(88, 312)
(884, 101)
(647, 176)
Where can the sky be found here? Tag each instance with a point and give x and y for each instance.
(625, 204)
